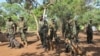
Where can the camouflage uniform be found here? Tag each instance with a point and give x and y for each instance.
(10, 32)
(69, 35)
(77, 30)
(63, 28)
(41, 22)
(68, 26)
(89, 32)
(45, 34)
(22, 29)
(43, 31)
(53, 29)
(74, 31)
(0, 29)
(69, 29)
(15, 24)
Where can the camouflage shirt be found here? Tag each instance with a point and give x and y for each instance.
(53, 25)
(41, 23)
(10, 27)
(22, 25)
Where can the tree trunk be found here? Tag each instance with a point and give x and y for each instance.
(35, 18)
(36, 26)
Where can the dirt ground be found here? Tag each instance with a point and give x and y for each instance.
(34, 47)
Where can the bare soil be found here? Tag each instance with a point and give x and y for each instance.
(34, 47)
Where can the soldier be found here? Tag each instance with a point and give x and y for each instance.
(22, 30)
(53, 32)
(10, 32)
(0, 30)
(69, 35)
(53, 27)
(41, 22)
(45, 34)
(74, 49)
(15, 24)
(63, 27)
(67, 27)
(89, 32)
(77, 30)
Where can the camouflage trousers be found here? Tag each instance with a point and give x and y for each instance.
(43, 36)
(11, 37)
(23, 37)
(63, 31)
(89, 37)
(52, 34)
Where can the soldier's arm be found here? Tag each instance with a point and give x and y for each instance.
(49, 28)
(25, 24)
(6, 27)
(38, 26)
(14, 27)
(48, 32)
(86, 27)
(56, 26)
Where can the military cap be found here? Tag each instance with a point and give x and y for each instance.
(9, 19)
(22, 18)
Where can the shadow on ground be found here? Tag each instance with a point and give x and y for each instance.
(28, 34)
(96, 50)
(40, 54)
(31, 42)
(32, 54)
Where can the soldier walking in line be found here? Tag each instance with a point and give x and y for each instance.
(67, 31)
(53, 27)
(77, 31)
(10, 32)
(53, 32)
(63, 27)
(41, 22)
(69, 27)
(45, 34)
(22, 30)
(89, 32)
